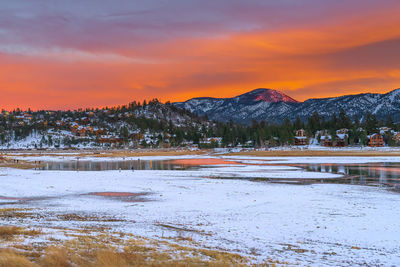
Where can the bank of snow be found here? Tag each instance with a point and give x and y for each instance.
(324, 224)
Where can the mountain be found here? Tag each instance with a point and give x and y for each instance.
(274, 106)
(266, 95)
(259, 104)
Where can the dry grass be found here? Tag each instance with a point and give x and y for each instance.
(10, 258)
(8, 162)
(85, 218)
(24, 165)
(110, 249)
(18, 214)
(8, 233)
(54, 256)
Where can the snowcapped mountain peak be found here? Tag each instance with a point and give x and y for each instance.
(267, 95)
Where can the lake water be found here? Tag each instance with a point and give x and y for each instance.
(372, 174)
(364, 174)
(84, 165)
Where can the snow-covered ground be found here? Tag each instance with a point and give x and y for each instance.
(317, 224)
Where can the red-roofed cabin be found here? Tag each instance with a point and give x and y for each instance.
(375, 140)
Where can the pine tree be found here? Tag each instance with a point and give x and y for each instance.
(298, 124)
(371, 123)
(390, 122)
(344, 120)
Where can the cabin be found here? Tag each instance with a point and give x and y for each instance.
(375, 140)
(98, 131)
(326, 140)
(341, 140)
(248, 143)
(211, 140)
(396, 137)
(80, 132)
(301, 138)
(74, 128)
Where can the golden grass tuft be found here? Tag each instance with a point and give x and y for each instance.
(99, 246)
(9, 232)
(12, 259)
(106, 249)
(107, 258)
(20, 214)
(64, 256)
(57, 257)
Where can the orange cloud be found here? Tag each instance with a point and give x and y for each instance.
(351, 54)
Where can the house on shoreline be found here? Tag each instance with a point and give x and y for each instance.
(301, 138)
(340, 140)
(375, 140)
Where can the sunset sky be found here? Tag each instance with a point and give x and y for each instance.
(90, 53)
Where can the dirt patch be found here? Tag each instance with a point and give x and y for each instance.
(10, 198)
(117, 194)
(123, 196)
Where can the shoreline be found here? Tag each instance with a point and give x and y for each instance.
(275, 152)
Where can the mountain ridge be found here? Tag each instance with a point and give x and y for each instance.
(275, 106)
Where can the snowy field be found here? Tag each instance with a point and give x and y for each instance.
(314, 224)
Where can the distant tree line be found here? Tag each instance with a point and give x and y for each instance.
(177, 127)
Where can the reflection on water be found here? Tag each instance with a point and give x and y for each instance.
(84, 165)
(363, 174)
(387, 174)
